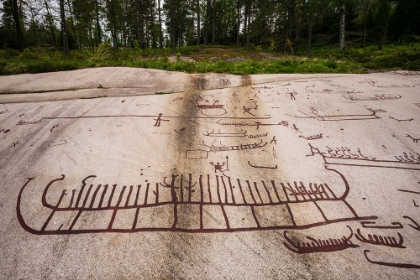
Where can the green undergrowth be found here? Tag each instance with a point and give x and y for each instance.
(287, 65)
(406, 57)
(216, 59)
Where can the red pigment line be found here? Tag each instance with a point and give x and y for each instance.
(231, 191)
(291, 214)
(138, 208)
(75, 219)
(147, 193)
(299, 191)
(242, 192)
(103, 196)
(182, 188)
(368, 224)
(175, 202)
(79, 196)
(380, 166)
(114, 213)
(350, 208)
(408, 191)
(156, 194)
(87, 196)
(309, 191)
(73, 192)
(112, 194)
(208, 184)
(128, 196)
(154, 116)
(255, 217)
(250, 190)
(226, 193)
(52, 213)
(268, 193)
(329, 190)
(189, 188)
(275, 190)
(287, 195)
(314, 192)
(200, 181)
(94, 195)
(225, 216)
(258, 192)
(137, 194)
(401, 265)
(320, 210)
(135, 218)
(321, 191)
(218, 191)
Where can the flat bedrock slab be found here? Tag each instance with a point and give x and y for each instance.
(230, 177)
(122, 81)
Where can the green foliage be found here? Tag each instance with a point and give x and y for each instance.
(136, 45)
(187, 50)
(323, 60)
(8, 53)
(272, 46)
(103, 52)
(289, 44)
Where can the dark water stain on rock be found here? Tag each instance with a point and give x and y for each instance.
(183, 137)
(246, 80)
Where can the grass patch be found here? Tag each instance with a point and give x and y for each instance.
(216, 59)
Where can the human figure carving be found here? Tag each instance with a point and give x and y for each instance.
(218, 167)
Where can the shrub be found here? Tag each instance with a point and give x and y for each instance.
(103, 52)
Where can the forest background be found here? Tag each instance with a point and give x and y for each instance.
(225, 36)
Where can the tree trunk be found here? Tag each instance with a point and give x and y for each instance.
(160, 27)
(342, 26)
(50, 22)
(141, 23)
(72, 22)
(308, 46)
(124, 27)
(114, 31)
(238, 30)
(297, 36)
(152, 32)
(382, 22)
(173, 25)
(146, 33)
(198, 22)
(16, 18)
(98, 26)
(290, 33)
(245, 24)
(146, 29)
(364, 29)
(249, 23)
(366, 6)
(91, 36)
(213, 37)
(64, 28)
(180, 36)
(206, 23)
